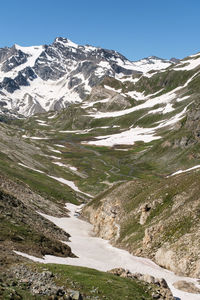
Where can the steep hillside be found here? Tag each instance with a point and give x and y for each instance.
(155, 218)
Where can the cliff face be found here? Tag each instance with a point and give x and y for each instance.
(158, 219)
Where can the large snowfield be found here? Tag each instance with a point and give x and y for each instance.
(94, 252)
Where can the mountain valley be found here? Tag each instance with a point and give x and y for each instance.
(84, 125)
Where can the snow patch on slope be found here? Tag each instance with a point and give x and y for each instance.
(185, 171)
(189, 64)
(129, 137)
(94, 252)
(33, 53)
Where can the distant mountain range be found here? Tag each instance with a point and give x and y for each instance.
(49, 77)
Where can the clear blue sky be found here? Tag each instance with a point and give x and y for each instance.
(136, 28)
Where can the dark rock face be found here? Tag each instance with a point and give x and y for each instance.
(73, 82)
(175, 60)
(58, 59)
(28, 73)
(4, 53)
(9, 85)
(21, 80)
(15, 60)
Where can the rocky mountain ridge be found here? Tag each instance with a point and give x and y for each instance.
(43, 78)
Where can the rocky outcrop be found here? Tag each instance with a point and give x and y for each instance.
(105, 220)
(158, 287)
(12, 58)
(185, 286)
(41, 284)
(152, 221)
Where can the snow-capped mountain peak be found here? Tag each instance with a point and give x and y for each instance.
(42, 78)
(66, 42)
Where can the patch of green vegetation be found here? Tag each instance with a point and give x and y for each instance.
(131, 231)
(165, 205)
(19, 291)
(40, 183)
(94, 283)
(177, 229)
(96, 202)
(194, 85)
(22, 235)
(112, 82)
(167, 81)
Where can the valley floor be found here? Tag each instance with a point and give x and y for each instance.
(97, 253)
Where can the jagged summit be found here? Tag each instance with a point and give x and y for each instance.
(48, 77)
(65, 42)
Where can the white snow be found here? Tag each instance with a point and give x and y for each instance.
(184, 171)
(102, 67)
(165, 98)
(90, 104)
(71, 184)
(33, 52)
(194, 55)
(87, 87)
(104, 64)
(129, 137)
(136, 95)
(34, 137)
(41, 121)
(144, 65)
(157, 110)
(44, 94)
(76, 131)
(150, 102)
(67, 42)
(168, 108)
(182, 98)
(99, 72)
(56, 151)
(30, 168)
(128, 79)
(94, 252)
(65, 166)
(58, 145)
(90, 48)
(112, 89)
(52, 117)
(52, 156)
(191, 63)
(43, 124)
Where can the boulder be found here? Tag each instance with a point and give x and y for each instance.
(188, 287)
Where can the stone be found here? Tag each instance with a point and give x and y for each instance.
(155, 296)
(158, 286)
(185, 286)
(148, 278)
(76, 295)
(60, 292)
(163, 283)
